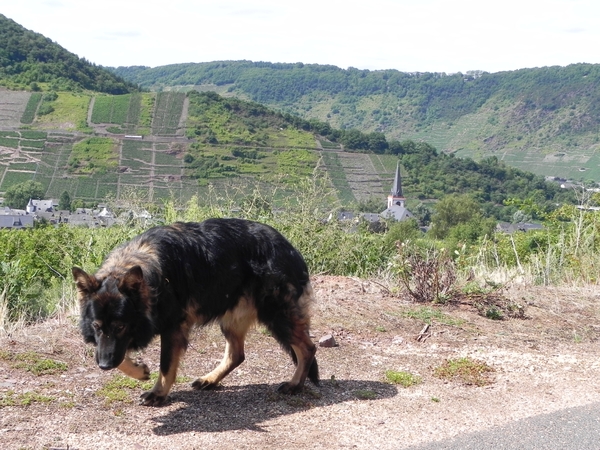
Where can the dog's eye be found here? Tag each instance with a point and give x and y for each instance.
(96, 326)
(119, 328)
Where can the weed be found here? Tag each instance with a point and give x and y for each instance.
(428, 315)
(35, 363)
(494, 313)
(489, 301)
(119, 388)
(405, 379)
(28, 398)
(380, 329)
(466, 370)
(295, 401)
(435, 399)
(9, 398)
(362, 394)
(334, 382)
(427, 275)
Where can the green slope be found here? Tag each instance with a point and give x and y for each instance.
(30, 60)
(535, 112)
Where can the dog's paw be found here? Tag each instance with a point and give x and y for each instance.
(203, 385)
(289, 388)
(144, 371)
(150, 398)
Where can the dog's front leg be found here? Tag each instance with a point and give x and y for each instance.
(172, 347)
(139, 371)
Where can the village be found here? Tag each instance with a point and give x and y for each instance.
(47, 211)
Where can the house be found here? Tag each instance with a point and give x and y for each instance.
(395, 206)
(41, 206)
(15, 221)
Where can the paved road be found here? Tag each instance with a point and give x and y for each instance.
(569, 429)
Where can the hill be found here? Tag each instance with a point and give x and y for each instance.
(172, 144)
(29, 60)
(545, 120)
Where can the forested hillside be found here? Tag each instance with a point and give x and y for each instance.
(543, 119)
(28, 59)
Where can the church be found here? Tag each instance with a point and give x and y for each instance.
(395, 201)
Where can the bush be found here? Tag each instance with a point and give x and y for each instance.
(45, 109)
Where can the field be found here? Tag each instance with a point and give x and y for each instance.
(48, 150)
(12, 108)
(69, 113)
(31, 108)
(92, 168)
(167, 114)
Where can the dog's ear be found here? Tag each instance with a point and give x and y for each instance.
(132, 280)
(86, 284)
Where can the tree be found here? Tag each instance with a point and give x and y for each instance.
(354, 140)
(451, 211)
(377, 142)
(65, 201)
(18, 195)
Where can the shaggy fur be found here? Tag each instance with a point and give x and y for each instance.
(168, 279)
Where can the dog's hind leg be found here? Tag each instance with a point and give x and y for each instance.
(134, 370)
(306, 364)
(234, 325)
(291, 329)
(172, 347)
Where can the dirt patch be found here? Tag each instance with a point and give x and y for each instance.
(545, 362)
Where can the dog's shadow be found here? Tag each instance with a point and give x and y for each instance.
(247, 406)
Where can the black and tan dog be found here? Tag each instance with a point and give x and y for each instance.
(168, 279)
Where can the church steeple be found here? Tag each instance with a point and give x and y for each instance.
(396, 197)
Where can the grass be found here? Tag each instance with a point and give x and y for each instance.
(34, 363)
(70, 110)
(428, 315)
(404, 379)
(365, 394)
(93, 155)
(465, 370)
(10, 398)
(119, 388)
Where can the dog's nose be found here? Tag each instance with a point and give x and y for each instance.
(105, 366)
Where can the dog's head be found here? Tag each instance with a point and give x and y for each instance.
(111, 310)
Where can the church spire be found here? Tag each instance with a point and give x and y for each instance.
(397, 187)
(396, 197)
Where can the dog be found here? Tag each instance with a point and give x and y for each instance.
(171, 278)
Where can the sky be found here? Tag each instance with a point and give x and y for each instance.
(407, 35)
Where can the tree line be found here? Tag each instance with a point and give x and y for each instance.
(431, 96)
(28, 59)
